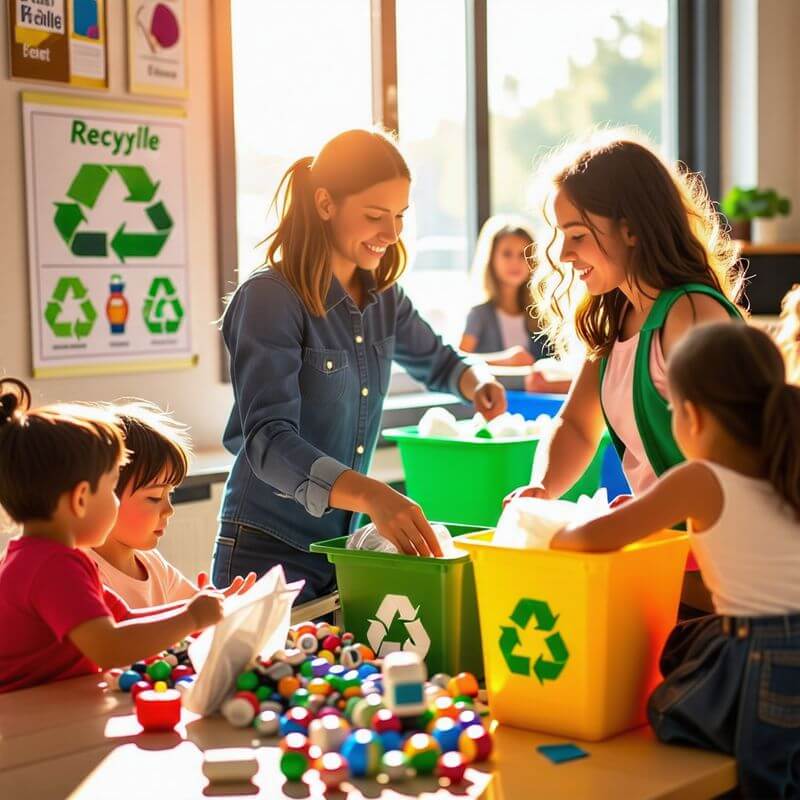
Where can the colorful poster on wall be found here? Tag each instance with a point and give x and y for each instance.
(157, 47)
(59, 40)
(107, 250)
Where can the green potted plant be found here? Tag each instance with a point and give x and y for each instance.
(753, 213)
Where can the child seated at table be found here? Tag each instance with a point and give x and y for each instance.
(731, 679)
(159, 449)
(58, 469)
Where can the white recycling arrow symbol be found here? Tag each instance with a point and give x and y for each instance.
(398, 607)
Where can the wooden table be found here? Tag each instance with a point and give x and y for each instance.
(76, 739)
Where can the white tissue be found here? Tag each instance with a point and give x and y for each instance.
(368, 538)
(438, 422)
(531, 522)
(539, 427)
(507, 426)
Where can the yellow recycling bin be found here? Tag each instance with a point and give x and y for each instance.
(571, 641)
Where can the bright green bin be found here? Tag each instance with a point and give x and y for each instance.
(465, 480)
(427, 605)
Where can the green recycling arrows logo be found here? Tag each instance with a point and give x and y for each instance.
(70, 286)
(546, 668)
(162, 310)
(85, 190)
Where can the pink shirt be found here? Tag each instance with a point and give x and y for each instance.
(618, 404)
(46, 590)
(163, 584)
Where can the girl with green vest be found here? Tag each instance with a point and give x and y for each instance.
(643, 260)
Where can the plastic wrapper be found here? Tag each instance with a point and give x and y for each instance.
(255, 623)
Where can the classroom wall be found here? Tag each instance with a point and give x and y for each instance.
(196, 395)
(760, 109)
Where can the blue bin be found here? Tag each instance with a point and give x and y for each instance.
(531, 405)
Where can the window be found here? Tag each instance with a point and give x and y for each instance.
(431, 102)
(556, 70)
(302, 73)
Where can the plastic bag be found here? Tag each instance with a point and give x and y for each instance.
(253, 623)
(531, 522)
(368, 538)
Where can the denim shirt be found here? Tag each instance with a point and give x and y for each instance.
(308, 397)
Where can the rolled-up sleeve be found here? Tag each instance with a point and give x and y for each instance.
(422, 353)
(263, 330)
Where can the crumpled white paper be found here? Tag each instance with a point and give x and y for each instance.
(531, 522)
(254, 623)
(439, 421)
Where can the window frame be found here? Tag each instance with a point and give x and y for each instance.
(694, 80)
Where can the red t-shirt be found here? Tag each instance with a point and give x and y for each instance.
(46, 590)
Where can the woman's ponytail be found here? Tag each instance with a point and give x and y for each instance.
(301, 236)
(780, 444)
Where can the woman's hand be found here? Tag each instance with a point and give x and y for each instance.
(518, 356)
(490, 399)
(402, 522)
(536, 490)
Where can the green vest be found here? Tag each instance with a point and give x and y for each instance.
(650, 409)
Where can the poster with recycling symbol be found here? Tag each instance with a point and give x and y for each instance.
(106, 211)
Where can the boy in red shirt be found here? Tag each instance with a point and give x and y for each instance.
(58, 469)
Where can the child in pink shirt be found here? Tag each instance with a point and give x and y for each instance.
(128, 560)
(58, 469)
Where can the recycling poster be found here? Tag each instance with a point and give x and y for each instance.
(107, 251)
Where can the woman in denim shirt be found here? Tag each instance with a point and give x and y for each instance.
(311, 340)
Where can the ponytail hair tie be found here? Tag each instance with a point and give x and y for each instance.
(18, 400)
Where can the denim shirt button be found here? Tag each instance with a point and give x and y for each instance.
(329, 365)
(364, 392)
(360, 449)
(359, 339)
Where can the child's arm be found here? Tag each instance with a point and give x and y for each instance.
(109, 644)
(689, 491)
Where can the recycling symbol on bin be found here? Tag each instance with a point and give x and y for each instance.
(547, 667)
(70, 286)
(397, 627)
(85, 190)
(162, 310)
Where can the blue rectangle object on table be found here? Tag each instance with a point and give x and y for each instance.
(560, 753)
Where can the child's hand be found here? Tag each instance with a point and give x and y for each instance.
(239, 585)
(205, 609)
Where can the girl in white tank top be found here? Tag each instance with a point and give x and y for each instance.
(732, 679)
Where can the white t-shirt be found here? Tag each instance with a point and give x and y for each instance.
(513, 329)
(750, 559)
(164, 583)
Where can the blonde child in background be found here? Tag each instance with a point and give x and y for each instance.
(501, 328)
(58, 469)
(731, 679)
(129, 563)
(788, 334)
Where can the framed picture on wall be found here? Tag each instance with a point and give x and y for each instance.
(157, 47)
(63, 41)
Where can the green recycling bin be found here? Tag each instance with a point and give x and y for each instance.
(396, 602)
(465, 480)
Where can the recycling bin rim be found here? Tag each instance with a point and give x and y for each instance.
(411, 433)
(481, 540)
(338, 545)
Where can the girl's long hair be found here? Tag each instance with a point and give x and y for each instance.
(736, 372)
(299, 248)
(679, 237)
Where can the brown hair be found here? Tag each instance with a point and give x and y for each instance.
(483, 271)
(736, 372)
(299, 248)
(679, 239)
(788, 334)
(157, 444)
(48, 451)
